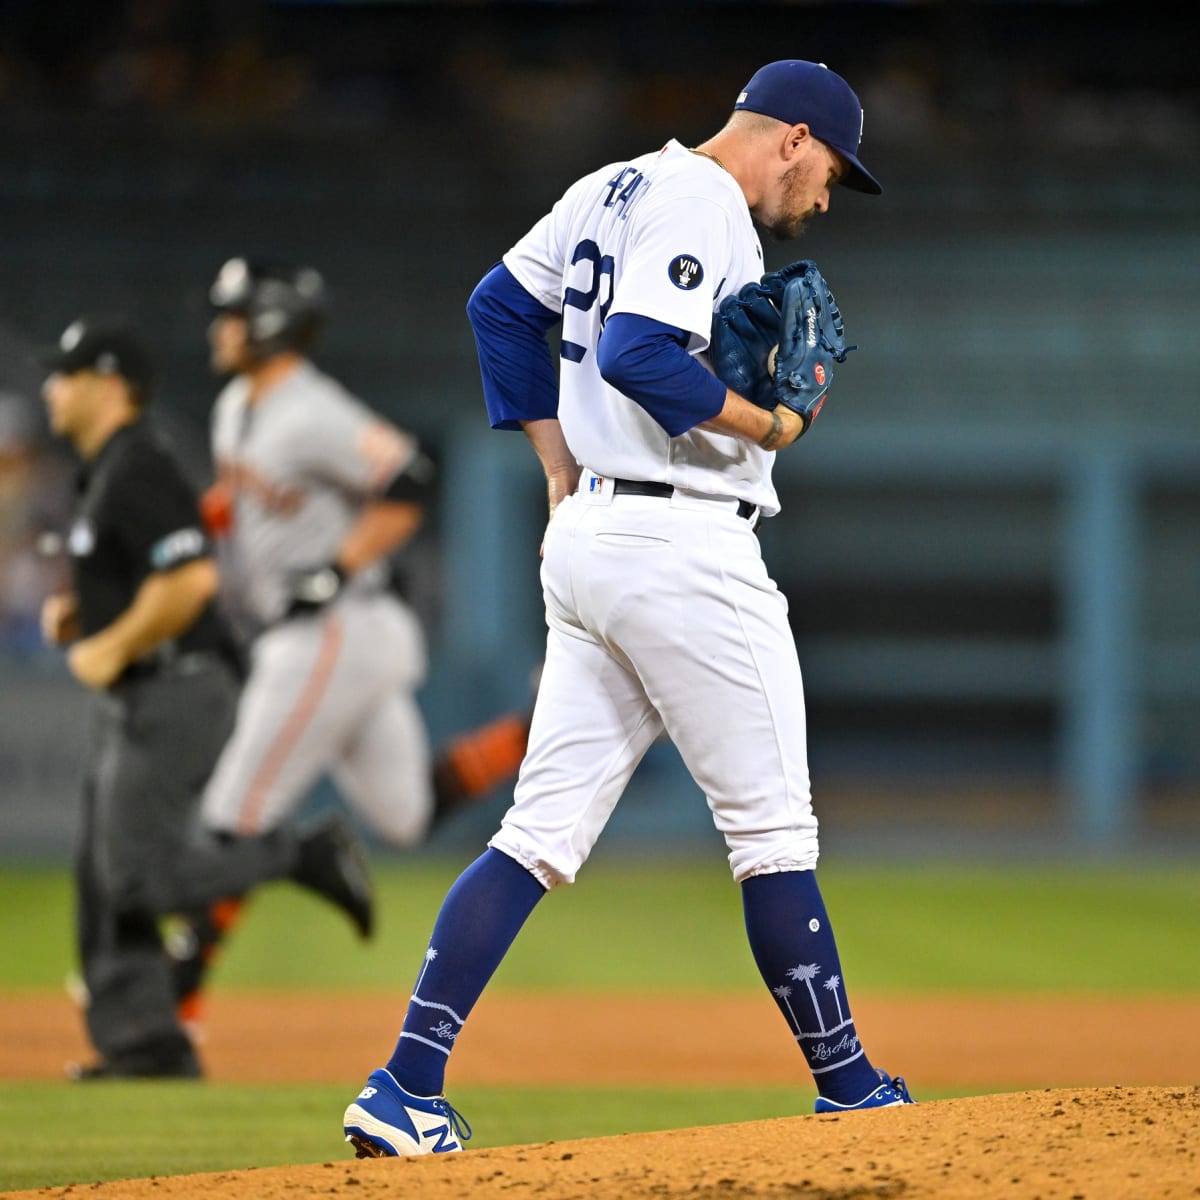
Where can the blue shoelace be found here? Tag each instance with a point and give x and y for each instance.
(458, 1123)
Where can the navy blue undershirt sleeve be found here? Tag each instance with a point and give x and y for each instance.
(648, 362)
(519, 381)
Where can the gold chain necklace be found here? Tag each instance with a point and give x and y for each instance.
(712, 157)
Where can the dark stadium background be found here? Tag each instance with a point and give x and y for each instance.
(989, 543)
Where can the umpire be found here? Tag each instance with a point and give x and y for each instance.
(145, 637)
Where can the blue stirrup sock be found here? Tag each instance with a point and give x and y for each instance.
(793, 945)
(481, 915)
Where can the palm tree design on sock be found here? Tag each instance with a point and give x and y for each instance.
(806, 974)
(784, 993)
(430, 955)
(832, 984)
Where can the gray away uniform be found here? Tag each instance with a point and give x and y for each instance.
(331, 690)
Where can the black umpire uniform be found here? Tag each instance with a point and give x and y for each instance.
(157, 726)
(145, 635)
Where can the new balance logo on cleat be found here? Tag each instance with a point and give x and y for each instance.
(445, 1139)
(385, 1121)
(433, 1126)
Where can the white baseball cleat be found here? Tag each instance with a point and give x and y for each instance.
(385, 1121)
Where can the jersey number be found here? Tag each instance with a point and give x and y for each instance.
(602, 267)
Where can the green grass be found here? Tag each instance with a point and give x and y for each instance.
(649, 927)
(929, 927)
(130, 1130)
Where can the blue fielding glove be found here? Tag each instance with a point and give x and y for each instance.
(775, 341)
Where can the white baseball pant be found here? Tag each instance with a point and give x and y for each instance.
(662, 616)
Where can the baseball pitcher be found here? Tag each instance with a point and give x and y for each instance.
(657, 441)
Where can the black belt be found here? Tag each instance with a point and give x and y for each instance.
(187, 662)
(637, 487)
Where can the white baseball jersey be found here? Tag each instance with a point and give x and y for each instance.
(665, 236)
(300, 464)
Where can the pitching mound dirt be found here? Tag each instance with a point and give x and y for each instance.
(1068, 1144)
(1089, 1141)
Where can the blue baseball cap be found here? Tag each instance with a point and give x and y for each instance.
(795, 91)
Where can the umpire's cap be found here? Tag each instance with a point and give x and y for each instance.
(107, 347)
(795, 91)
(284, 305)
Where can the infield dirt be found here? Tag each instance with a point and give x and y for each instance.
(1120, 1120)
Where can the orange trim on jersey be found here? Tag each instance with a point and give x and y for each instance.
(293, 727)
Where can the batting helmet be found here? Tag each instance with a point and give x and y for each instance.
(284, 306)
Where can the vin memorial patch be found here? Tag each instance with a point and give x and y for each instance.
(685, 271)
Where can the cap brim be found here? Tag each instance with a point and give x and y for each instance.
(51, 358)
(858, 178)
